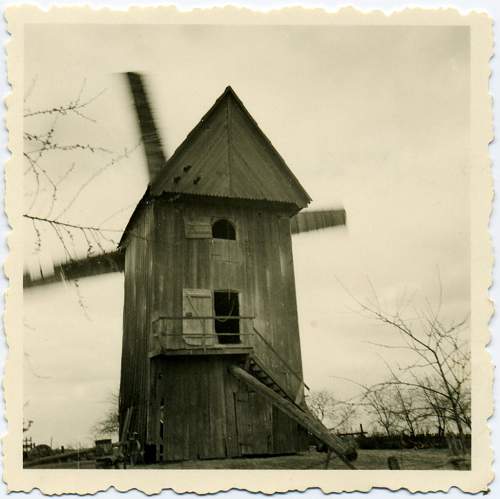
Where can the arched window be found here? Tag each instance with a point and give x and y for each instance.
(223, 229)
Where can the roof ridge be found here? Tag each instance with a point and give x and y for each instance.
(229, 142)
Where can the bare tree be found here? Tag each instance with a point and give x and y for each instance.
(337, 414)
(408, 409)
(108, 424)
(321, 403)
(440, 370)
(344, 416)
(379, 405)
(58, 170)
(436, 405)
(50, 194)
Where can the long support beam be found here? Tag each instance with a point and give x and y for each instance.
(302, 417)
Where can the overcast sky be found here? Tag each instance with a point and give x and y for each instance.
(372, 119)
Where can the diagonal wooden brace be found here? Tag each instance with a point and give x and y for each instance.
(302, 417)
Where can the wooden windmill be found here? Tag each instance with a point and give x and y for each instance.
(211, 362)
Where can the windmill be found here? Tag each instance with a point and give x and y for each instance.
(211, 362)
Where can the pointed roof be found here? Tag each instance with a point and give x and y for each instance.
(228, 155)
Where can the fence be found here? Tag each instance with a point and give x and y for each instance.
(403, 441)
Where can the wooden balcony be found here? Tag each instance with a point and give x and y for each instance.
(173, 336)
(189, 335)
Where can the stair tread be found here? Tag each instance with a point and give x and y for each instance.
(258, 372)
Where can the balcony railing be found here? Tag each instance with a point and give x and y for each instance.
(171, 335)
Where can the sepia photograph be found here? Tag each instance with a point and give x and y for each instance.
(247, 247)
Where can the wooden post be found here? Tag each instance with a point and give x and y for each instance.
(328, 457)
(124, 430)
(303, 418)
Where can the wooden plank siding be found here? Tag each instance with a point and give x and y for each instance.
(210, 414)
(134, 381)
(262, 274)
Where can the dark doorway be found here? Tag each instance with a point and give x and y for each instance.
(226, 305)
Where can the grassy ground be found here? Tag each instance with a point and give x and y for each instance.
(422, 459)
(70, 465)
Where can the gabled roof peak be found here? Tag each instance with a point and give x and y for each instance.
(228, 155)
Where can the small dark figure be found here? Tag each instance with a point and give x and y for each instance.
(393, 463)
(118, 459)
(134, 449)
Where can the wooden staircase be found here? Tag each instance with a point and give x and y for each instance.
(252, 367)
(255, 375)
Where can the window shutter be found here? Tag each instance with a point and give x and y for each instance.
(197, 303)
(197, 228)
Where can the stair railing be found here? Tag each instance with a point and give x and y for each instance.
(288, 369)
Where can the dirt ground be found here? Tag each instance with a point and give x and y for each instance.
(422, 459)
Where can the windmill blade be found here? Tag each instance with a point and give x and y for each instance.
(84, 267)
(317, 219)
(155, 159)
(114, 261)
(153, 146)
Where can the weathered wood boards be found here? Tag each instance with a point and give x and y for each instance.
(258, 265)
(134, 378)
(167, 275)
(227, 155)
(208, 413)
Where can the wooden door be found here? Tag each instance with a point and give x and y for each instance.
(254, 422)
(197, 303)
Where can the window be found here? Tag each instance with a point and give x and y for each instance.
(223, 229)
(226, 305)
